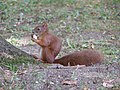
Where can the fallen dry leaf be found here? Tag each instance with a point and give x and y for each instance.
(6, 55)
(22, 72)
(108, 83)
(69, 82)
(85, 88)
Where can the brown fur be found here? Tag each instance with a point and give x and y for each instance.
(85, 57)
(51, 46)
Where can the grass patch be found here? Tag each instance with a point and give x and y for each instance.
(14, 63)
(18, 17)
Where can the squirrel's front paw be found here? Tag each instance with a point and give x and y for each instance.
(33, 39)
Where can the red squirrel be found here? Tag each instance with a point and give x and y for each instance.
(51, 46)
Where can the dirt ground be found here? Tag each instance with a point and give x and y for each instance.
(104, 76)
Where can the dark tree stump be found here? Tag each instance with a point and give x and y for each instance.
(11, 54)
(6, 47)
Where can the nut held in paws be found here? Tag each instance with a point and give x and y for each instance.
(34, 36)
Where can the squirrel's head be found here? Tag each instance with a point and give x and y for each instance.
(41, 29)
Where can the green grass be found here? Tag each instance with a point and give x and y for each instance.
(14, 63)
(20, 16)
(30, 12)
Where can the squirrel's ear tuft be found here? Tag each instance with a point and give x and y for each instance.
(44, 26)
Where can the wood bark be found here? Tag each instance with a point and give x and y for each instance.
(7, 50)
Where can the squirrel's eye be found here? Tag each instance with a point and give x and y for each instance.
(38, 29)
